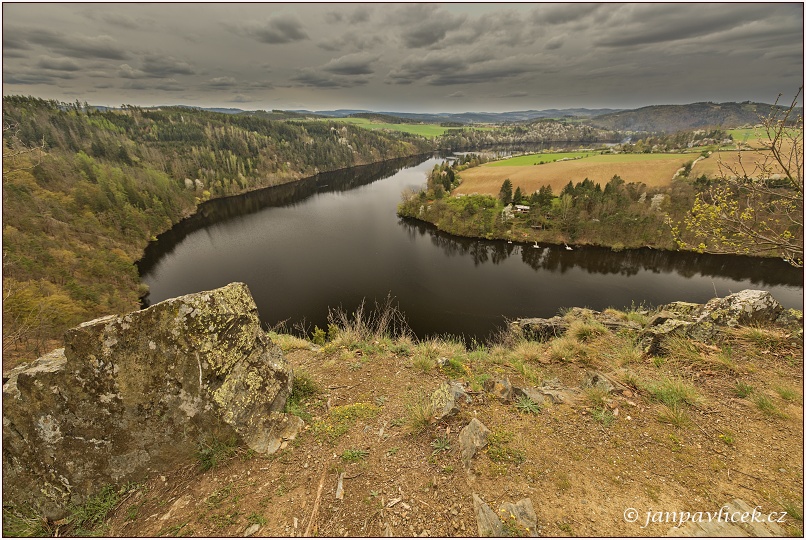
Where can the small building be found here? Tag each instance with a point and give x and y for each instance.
(522, 208)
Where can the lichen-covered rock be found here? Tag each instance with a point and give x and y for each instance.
(537, 329)
(652, 338)
(500, 388)
(744, 307)
(446, 398)
(134, 394)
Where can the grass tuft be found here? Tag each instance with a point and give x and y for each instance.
(675, 416)
(212, 450)
(87, 519)
(585, 331)
(352, 455)
(603, 415)
(674, 392)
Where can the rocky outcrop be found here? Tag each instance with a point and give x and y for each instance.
(701, 322)
(134, 394)
(704, 322)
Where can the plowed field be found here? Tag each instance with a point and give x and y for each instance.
(632, 168)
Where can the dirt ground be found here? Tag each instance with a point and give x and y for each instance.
(580, 472)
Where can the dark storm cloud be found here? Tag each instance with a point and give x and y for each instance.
(124, 21)
(359, 15)
(423, 25)
(222, 82)
(441, 68)
(35, 77)
(75, 46)
(642, 26)
(554, 14)
(352, 40)
(168, 85)
(311, 78)
(351, 64)
(165, 66)
(409, 56)
(426, 33)
(57, 64)
(555, 42)
(279, 29)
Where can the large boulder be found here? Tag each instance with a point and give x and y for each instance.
(134, 394)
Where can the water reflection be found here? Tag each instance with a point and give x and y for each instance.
(292, 194)
(604, 261)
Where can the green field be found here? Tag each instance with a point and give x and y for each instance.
(590, 157)
(747, 134)
(426, 130)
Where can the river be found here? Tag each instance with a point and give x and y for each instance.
(335, 239)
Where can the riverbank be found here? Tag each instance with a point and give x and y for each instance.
(686, 427)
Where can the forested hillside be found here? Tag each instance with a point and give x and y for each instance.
(672, 118)
(540, 131)
(77, 216)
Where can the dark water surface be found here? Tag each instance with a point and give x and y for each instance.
(335, 239)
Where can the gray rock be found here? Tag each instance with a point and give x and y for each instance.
(537, 329)
(523, 513)
(594, 379)
(488, 522)
(472, 438)
(652, 338)
(252, 529)
(500, 388)
(133, 395)
(446, 399)
(529, 392)
(741, 308)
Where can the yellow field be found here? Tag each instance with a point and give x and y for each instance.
(710, 166)
(488, 180)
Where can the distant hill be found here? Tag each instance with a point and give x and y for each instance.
(470, 117)
(379, 117)
(671, 118)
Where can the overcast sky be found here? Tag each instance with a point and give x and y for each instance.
(451, 57)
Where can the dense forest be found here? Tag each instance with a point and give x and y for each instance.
(85, 190)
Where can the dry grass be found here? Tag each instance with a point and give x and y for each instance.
(487, 180)
(710, 166)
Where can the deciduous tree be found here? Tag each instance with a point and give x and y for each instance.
(755, 207)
